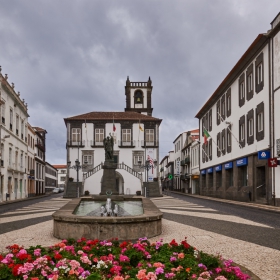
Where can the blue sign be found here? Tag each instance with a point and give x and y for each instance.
(203, 172)
(228, 165)
(263, 154)
(242, 161)
(218, 168)
(210, 170)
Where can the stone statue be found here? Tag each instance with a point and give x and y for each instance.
(109, 147)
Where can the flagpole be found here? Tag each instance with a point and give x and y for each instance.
(214, 141)
(230, 131)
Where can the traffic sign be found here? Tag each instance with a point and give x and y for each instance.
(272, 162)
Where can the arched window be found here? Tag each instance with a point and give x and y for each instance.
(138, 97)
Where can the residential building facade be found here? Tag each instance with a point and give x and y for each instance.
(61, 174)
(50, 177)
(13, 142)
(239, 125)
(136, 144)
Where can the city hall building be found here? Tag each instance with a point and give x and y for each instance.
(239, 135)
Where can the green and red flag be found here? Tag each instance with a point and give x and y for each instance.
(206, 135)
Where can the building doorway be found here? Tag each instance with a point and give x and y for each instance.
(261, 185)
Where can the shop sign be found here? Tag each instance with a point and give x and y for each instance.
(242, 161)
(272, 162)
(203, 172)
(210, 170)
(263, 154)
(218, 168)
(228, 165)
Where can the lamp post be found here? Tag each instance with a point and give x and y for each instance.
(148, 165)
(77, 167)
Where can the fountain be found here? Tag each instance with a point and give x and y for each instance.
(108, 215)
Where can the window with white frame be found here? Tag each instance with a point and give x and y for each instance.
(229, 102)
(22, 129)
(251, 127)
(11, 118)
(250, 82)
(223, 108)
(76, 135)
(10, 156)
(228, 138)
(218, 113)
(3, 111)
(149, 136)
(242, 131)
(99, 136)
(17, 124)
(242, 90)
(259, 73)
(87, 159)
(260, 121)
(126, 136)
(21, 160)
(138, 159)
(223, 142)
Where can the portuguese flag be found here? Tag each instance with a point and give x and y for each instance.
(206, 135)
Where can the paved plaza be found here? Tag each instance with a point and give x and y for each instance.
(208, 229)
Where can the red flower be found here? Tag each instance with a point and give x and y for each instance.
(173, 243)
(25, 256)
(15, 269)
(58, 256)
(123, 245)
(185, 244)
(1, 258)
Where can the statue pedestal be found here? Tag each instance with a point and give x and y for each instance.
(108, 186)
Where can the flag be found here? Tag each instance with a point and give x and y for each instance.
(151, 161)
(140, 127)
(114, 127)
(206, 135)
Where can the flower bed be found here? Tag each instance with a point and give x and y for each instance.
(94, 260)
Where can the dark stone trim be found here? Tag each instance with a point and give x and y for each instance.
(223, 107)
(259, 134)
(206, 121)
(259, 60)
(210, 149)
(223, 136)
(229, 135)
(218, 108)
(250, 115)
(218, 144)
(228, 102)
(242, 121)
(240, 81)
(203, 153)
(210, 120)
(249, 94)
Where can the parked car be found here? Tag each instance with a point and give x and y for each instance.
(61, 189)
(56, 190)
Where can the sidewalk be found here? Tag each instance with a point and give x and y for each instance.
(264, 207)
(2, 203)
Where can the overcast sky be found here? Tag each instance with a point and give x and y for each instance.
(69, 57)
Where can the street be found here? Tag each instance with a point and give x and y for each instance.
(251, 237)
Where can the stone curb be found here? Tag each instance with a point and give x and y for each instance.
(3, 203)
(268, 208)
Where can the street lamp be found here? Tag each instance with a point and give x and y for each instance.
(77, 167)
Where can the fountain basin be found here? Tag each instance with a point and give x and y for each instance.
(68, 225)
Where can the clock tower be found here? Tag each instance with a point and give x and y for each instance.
(139, 97)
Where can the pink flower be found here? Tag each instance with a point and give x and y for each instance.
(141, 274)
(159, 270)
(37, 252)
(118, 278)
(124, 258)
(158, 264)
(181, 255)
(221, 278)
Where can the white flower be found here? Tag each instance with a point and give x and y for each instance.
(55, 269)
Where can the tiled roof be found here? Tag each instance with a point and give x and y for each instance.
(59, 166)
(39, 129)
(117, 116)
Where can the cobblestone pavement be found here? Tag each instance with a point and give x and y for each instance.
(250, 242)
(217, 232)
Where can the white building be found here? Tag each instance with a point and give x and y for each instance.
(136, 140)
(241, 118)
(61, 174)
(13, 142)
(30, 170)
(50, 177)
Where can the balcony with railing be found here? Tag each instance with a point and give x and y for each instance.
(76, 143)
(126, 144)
(145, 144)
(40, 145)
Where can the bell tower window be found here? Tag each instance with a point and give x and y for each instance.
(138, 99)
